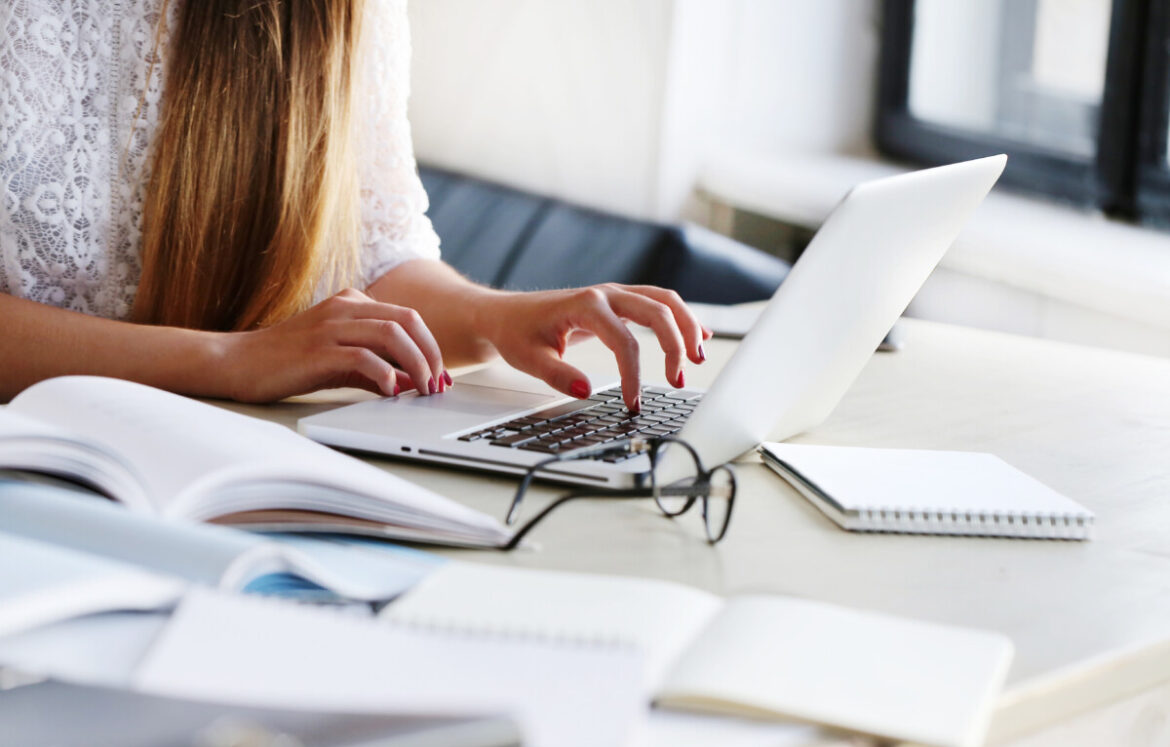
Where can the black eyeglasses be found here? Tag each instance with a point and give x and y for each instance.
(713, 490)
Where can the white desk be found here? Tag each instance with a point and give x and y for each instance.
(1091, 621)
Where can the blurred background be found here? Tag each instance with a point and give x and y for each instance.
(752, 118)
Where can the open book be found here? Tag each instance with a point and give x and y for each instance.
(761, 656)
(171, 456)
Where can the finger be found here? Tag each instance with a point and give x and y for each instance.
(660, 318)
(545, 364)
(599, 317)
(362, 307)
(347, 361)
(692, 331)
(358, 381)
(388, 338)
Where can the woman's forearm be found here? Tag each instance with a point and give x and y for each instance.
(448, 302)
(39, 341)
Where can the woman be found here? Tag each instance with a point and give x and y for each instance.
(188, 184)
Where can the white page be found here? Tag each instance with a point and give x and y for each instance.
(207, 554)
(891, 677)
(184, 451)
(263, 652)
(659, 617)
(42, 583)
(31, 444)
(102, 649)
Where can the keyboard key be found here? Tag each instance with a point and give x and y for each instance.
(515, 439)
(561, 411)
(653, 418)
(541, 446)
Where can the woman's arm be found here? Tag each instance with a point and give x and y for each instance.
(346, 340)
(532, 330)
(40, 341)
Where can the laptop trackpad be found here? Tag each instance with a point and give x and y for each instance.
(482, 401)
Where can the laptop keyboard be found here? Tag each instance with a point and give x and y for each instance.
(597, 420)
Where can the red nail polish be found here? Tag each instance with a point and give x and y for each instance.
(447, 378)
(397, 390)
(702, 354)
(637, 408)
(682, 380)
(431, 385)
(580, 389)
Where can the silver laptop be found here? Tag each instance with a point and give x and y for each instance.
(811, 341)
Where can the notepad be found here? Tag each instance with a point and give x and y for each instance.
(927, 492)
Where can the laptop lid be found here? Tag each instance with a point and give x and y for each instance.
(853, 281)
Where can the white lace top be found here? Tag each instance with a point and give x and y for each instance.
(72, 76)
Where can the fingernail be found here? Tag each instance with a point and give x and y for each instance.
(431, 385)
(447, 378)
(637, 408)
(397, 390)
(682, 380)
(702, 354)
(580, 389)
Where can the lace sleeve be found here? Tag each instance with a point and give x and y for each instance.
(395, 227)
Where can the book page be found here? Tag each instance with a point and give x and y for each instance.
(659, 617)
(42, 583)
(876, 674)
(27, 443)
(259, 652)
(206, 554)
(190, 456)
(196, 553)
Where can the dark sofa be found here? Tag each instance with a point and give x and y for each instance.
(507, 238)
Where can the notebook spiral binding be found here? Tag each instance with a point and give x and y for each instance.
(1050, 526)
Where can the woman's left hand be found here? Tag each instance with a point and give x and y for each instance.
(531, 331)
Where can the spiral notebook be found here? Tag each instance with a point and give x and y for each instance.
(927, 492)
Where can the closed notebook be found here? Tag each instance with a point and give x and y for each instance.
(927, 492)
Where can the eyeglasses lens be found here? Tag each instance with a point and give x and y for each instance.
(717, 507)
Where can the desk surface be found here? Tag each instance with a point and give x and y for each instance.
(1090, 621)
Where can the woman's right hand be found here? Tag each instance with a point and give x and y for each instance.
(348, 340)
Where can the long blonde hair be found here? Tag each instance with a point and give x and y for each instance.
(253, 194)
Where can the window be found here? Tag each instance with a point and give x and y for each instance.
(1074, 91)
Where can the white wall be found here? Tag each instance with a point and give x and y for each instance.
(618, 103)
(561, 97)
(803, 76)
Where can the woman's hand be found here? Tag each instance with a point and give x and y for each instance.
(532, 330)
(349, 340)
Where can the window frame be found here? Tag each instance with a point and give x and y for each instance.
(1105, 181)
(1153, 168)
